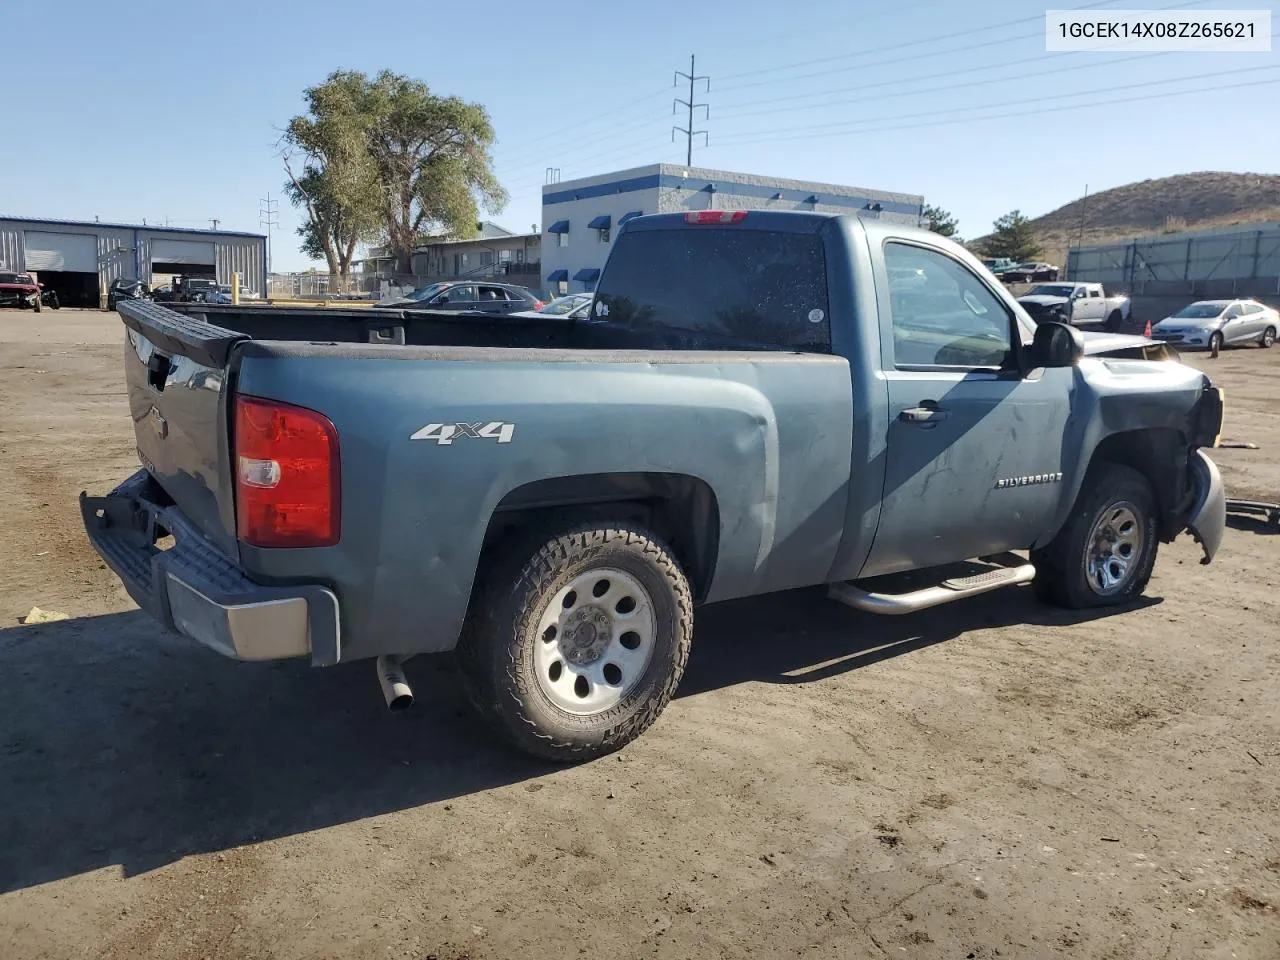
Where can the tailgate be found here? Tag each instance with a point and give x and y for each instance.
(175, 368)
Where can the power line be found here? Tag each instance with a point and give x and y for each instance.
(902, 46)
(987, 106)
(964, 48)
(1001, 116)
(688, 131)
(611, 113)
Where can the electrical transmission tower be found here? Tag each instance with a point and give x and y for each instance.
(688, 131)
(268, 218)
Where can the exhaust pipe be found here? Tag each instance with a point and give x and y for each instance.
(395, 688)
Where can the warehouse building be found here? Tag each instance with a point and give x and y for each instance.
(580, 217)
(79, 260)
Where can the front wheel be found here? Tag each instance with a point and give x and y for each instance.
(573, 649)
(1216, 342)
(36, 305)
(1106, 551)
(1268, 338)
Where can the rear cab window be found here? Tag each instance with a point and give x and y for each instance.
(752, 289)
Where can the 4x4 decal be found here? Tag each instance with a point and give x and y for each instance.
(445, 433)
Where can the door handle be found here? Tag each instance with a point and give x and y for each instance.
(927, 412)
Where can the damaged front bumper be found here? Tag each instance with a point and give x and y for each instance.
(1207, 519)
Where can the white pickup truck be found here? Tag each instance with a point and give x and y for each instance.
(1082, 304)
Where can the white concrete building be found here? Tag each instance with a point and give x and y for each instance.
(580, 217)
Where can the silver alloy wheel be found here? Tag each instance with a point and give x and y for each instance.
(1268, 336)
(595, 640)
(1114, 550)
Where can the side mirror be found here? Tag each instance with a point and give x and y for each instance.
(1056, 345)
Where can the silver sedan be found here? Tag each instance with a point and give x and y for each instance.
(1210, 324)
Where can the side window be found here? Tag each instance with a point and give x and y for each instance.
(1095, 292)
(1233, 312)
(1251, 308)
(942, 314)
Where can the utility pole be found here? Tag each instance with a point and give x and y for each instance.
(1084, 206)
(214, 222)
(268, 218)
(688, 131)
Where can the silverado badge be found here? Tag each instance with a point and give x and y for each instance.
(1028, 481)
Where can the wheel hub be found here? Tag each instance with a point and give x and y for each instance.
(586, 634)
(1114, 549)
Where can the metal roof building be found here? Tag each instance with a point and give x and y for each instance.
(80, 259)
(580, 217)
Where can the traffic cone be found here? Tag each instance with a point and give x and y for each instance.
(1147, 332)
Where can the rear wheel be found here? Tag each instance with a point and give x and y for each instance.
(1114, 321)
(575, 645)
(1268, 338)
(1106, 551)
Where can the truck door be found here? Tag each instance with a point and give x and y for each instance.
(974, 446)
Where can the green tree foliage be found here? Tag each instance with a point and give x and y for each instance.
(941, 221)
(386, 159)
(1012, 236)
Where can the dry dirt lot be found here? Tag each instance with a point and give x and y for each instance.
(991, 779)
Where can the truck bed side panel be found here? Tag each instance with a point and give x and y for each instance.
(768, 433)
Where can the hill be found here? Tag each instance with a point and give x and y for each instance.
(1189, 201)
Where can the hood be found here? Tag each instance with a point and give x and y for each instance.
(1188, 323)
(1097, 343)
(1043, 300)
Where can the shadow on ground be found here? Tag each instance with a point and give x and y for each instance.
(120, 744)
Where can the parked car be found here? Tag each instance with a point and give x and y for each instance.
(553, 504)
(1213, 324)
(573, 306)
(466, 295)
(126, 289)
(163, 293)
(1030, 273)
(20, 290)
(1080, 304)
(999, 265)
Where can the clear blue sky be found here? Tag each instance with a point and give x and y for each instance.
(164, 110)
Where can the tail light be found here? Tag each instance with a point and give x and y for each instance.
(538, 304)
(715, 216)
(287, 475)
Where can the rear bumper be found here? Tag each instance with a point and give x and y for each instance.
(195, 590)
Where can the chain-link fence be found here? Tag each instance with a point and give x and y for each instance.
(328, 286)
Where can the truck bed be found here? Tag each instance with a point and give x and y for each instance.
(212, 330)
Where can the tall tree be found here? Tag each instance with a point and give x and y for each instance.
(432, 161)
(385, 158)
(1012, 236)
(940, 221)
(330, 173)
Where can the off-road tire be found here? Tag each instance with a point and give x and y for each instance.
(1268, 338)
(1060, 564)
(496, 648)
(1114, 322)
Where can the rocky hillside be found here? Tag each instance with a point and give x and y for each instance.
(1189, 201)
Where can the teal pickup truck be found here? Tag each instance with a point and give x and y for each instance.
(756, 401)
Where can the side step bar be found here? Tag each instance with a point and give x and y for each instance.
(896, 604)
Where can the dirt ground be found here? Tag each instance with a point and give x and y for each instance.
(989, 779)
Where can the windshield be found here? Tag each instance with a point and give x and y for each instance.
(426, 293)
(14, 278)
(1052, 290)
(1199, 311)
(558, 308)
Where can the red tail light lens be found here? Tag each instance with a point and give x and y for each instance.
(287, 475)
(715, 216)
